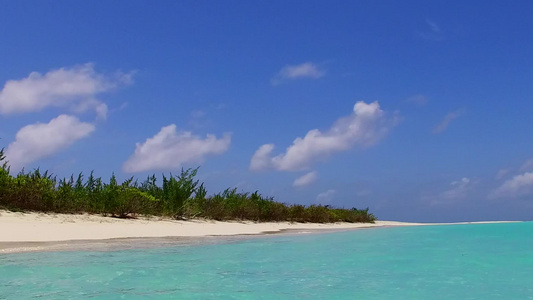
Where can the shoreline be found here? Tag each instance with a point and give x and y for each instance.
(30, 232)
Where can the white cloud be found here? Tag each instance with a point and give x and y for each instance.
(198, 119)
(447, 120)
(36, 141)
(519, 185)
(305, 70)
(501, 173)
(170, 149)
(197, 114)
(75, 88)
(325, 197)
(528, 165)
(366, 126)
(305, 179)
(261, 159)
(458, 190)
(418, 100)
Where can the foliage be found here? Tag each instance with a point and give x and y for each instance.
(180, 197)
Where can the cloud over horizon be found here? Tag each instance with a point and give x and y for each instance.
(169, 149)
(519, 185)
(75, 88)
(366, 126)
(291, 72)
(326, 197)
(305, 179)
(36, 141)
(458, 189)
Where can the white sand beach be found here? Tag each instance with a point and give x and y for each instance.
(40, 227)
(18, 229)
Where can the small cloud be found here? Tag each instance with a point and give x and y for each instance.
(528, 165)
(36, 141)
(199, 119)
(98, 107)
(432, 31)
(198, 114)
(75, 88)
(418, 100)
(306, 179)
(443, 125)
(305, 70)
(170, 149)
(458, 189)
(519, 185)
(325, 197)
(261, 159)
(501, 173)
(366, 126)
(113, 110)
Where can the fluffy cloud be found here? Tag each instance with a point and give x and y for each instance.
(519, 185)
(443, 125)
(170, 149)
(366, 126)
(261, 159)
(305, 70)
(305, 179)
(74, 87)
(325, 197)
(36, 141)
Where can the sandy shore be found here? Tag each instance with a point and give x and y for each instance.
(22, 231)
(39, 227)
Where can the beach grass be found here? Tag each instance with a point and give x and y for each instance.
(178, 197)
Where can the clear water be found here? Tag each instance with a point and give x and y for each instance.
(487, 261)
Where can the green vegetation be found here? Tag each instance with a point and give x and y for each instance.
(180, 197)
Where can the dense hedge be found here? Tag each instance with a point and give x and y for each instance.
(180, 197)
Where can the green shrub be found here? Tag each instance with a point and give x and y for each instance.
(180, 196)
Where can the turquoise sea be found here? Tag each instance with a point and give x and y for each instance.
(481, 261)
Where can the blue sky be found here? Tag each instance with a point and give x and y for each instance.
(421, 111)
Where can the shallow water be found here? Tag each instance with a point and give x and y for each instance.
(482, 261)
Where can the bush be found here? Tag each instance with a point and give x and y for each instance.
(179, 197)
